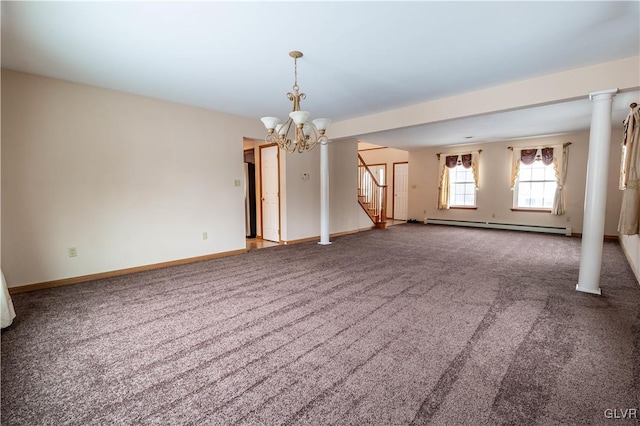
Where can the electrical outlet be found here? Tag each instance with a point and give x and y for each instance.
(204, 236)
(493, 215)
(72, 251)
(237, 182)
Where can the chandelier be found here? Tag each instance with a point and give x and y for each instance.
(296, 134)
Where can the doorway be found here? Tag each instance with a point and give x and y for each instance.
(250, 193)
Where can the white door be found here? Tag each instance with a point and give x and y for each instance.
(269, 190)
(400, 190)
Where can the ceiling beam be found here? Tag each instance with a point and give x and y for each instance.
(623, 74)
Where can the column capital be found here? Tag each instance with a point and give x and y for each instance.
(603, 94)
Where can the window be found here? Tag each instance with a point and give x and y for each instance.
(458, 180)
(536, 186)
(462, 187)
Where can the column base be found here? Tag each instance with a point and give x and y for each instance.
(324, 244)
(584, 290)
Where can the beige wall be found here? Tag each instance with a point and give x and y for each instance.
(128, 180)
(132, 181)
(387, 156)
(346, 213)
(300, 203)
(494, 196)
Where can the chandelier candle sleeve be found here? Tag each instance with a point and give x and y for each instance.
(299, 117)
(304, 135)
(270, 122)
(321, 123)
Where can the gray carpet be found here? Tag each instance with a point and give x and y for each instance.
(415, 324)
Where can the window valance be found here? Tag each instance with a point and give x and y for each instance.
(529, 155)
(464, 160)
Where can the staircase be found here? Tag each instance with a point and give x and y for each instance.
(372, 196)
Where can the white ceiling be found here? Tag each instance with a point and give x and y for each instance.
(360, 57)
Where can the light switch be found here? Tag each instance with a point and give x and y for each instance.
(237, 182)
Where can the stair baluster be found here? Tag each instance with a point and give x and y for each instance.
(371, 195)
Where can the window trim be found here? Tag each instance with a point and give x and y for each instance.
(472, 181)
(516, 207)
(531, 210)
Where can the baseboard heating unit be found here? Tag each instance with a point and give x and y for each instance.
(493, 225)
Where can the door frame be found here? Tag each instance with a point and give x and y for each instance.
(260, 148)
(393, 187)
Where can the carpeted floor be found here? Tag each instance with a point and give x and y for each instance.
(415, 324)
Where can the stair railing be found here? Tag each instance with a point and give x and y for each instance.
(372, 195)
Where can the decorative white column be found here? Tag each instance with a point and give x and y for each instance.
(324, 193)
(595, 197)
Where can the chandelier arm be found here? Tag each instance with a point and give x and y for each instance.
(323, 140)
(300, 138)
(311, 142)
(271, 138)
(284, 141)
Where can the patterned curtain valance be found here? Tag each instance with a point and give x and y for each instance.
(464, 160)
(546, 156)
(528, 156)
